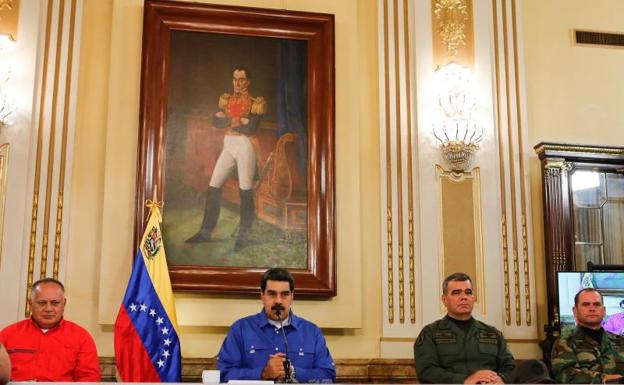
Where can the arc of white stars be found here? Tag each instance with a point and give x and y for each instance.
(152, 313)
(166, 354)
(160, 363)
(167, 342)
(160, 320)
(143, 307)
(133, 307)
(165, 330)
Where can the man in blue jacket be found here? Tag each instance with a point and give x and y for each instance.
(275, 344)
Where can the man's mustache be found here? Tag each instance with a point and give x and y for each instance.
(277, 307)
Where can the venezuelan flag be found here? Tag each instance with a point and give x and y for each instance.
(147, 348)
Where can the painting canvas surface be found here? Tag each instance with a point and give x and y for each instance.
(200, 73)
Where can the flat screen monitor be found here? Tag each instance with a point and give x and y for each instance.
(610, 284)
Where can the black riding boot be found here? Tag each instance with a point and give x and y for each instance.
(211, 216)
(247, 215)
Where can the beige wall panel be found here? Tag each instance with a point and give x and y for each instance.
(83, 276)
(574, 93)
(458, 227)
(103, 187)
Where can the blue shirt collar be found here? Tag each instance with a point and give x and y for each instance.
(262, 320)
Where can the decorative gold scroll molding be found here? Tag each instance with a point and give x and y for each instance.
(593, 150)
(461, 246)
(63, 164)
(527, 281)
(501, 165)
(558, 163)
(390, 267)
(52, 141)
(410, 173)
(9, 18)
(399, 163)
(4, 167)
(37, 178)
(511, 162)
(453, 36)
(519, 246)
(523, 200)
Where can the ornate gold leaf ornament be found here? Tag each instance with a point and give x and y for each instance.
(4, 5)
(452, 18)
(9, 12)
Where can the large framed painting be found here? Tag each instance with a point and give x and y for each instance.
(236, 137)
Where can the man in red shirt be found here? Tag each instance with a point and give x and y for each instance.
(46, 347)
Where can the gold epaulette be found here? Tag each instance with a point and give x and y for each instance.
(258, 106)
(223, 101)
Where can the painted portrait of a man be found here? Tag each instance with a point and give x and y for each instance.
(236, 151)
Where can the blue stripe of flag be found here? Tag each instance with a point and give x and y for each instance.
(152, 323)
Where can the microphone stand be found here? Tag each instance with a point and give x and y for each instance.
(289, 377)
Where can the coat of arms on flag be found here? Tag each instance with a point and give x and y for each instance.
(152, 243)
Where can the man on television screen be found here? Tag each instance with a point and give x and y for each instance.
(615, 322)
(588, 353)
(458, 348)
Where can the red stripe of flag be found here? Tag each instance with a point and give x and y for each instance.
(133, 363)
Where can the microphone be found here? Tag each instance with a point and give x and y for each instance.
(289, 377)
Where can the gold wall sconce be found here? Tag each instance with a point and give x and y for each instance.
(457, 128)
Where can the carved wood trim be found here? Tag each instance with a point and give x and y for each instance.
(556, 223)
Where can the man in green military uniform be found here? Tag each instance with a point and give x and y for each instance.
(458, 348)
(588, 353)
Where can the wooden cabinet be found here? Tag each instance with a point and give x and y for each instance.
(583, 206)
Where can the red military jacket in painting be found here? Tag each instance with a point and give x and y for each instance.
(65, 352)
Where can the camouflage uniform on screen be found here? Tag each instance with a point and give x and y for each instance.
(443, 354)
(577, 358)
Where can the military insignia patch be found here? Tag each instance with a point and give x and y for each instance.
(445, 337)
(420, 339)
(488, 337)
(152, 242)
